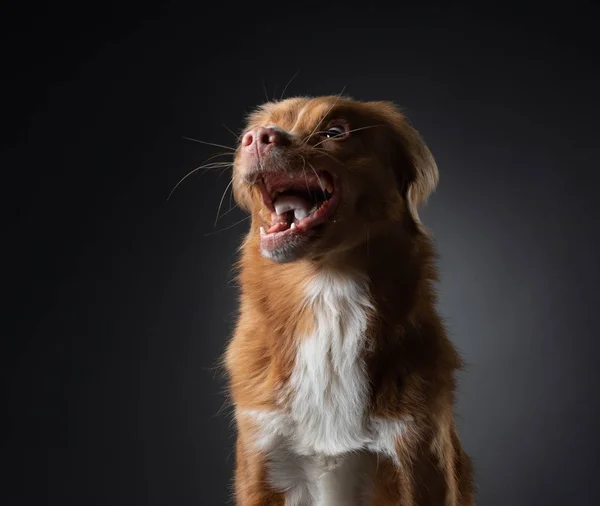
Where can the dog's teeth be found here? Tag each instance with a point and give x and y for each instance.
(282, 206)
(262, 231)
(300, 214)
(329, 188)
(289, 203)
(292, 226)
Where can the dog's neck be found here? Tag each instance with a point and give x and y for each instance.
(396, 263)
(388, 252)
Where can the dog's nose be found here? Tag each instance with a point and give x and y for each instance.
(262, 139)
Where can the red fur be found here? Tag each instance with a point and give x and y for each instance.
(386, 172)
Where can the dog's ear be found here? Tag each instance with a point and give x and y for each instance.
(412, 162)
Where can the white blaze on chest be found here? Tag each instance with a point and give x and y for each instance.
(329, 385)
(321, 444)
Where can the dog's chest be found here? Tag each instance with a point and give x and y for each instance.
(313, 443)
(329, 389)
(321, 443)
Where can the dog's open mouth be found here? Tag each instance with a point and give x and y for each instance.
(298, 203)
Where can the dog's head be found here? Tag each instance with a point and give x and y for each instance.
(315, 172)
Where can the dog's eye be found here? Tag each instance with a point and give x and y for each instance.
(335, 132)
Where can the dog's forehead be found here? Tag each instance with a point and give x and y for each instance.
(297, 114)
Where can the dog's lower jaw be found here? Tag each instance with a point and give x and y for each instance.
(284, 255)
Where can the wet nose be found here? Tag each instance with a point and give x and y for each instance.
(262, 139)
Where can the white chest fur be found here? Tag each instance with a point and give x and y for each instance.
(318, 445)
(329, 384)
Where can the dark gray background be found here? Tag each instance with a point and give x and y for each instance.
(119, 303)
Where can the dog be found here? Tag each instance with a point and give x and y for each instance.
(340, 371)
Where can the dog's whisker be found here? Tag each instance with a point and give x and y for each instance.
(217, 155)
(231, 205)
(214, 165)
(209, 143)
(223, 171)
(230, 199)
(237, 137)
(230, 226)
(322, 152)
(325, 115)
(222, 168)
(221, 201)
(349, 132)
(304, 172)
(289, 82)
(229, 210)
(319, 179)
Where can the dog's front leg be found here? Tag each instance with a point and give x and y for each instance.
(252, 486)
(429, 469)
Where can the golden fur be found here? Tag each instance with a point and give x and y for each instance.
(386, 171)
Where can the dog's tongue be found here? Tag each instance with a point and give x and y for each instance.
(300, 206)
